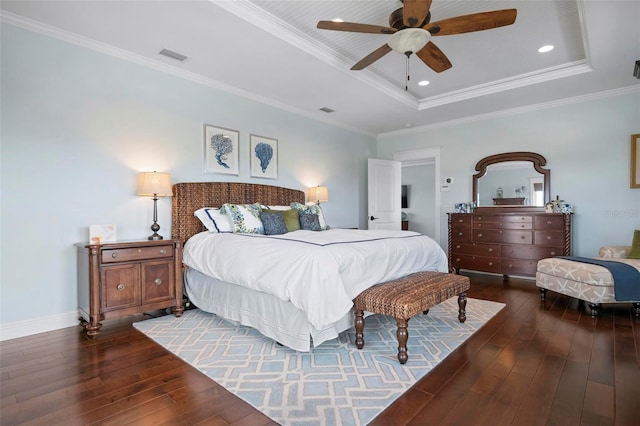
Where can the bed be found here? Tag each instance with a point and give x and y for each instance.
(302, 295)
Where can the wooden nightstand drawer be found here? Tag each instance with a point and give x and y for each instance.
(138, 253)
(156, 281)
(119, 287)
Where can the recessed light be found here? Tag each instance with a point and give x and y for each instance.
(408, 125)
(545, 49)
(337, 20)
(423, 83)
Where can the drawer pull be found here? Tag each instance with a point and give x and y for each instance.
(553, 253)
(510, 266)
(548, 222)
(139, 250)
(479, 225)
(458, 246)
(114, 254)
(457, 260)
(479, 235)
(461, 233)
(490, 250)
(490, 263)
(157, 281)
(163, 251)
(522, 237)
(120, 287)
(548, 237)
(460, 220)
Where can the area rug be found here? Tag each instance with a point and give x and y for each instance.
(334, 384)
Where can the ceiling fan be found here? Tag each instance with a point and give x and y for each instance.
(410, 32)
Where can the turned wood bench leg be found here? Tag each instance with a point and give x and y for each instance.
(359, 328)
(462, 307)
(636, 308)
(543, 293)
(403, 335)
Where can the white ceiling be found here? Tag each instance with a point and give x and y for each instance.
(270, 50)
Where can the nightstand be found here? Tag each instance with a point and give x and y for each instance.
(125, 278)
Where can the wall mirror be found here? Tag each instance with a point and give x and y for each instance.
(512, 179)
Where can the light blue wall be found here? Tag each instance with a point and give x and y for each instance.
(420, 213)
(77, 127)
(587, 147)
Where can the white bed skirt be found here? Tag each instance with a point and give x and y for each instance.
(271, 316)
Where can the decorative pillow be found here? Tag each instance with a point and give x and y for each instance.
(309, 221)
(244, 217)
(290, 216)
(634, 253)
(278, 208)
(313, 208)
(214, 220)
(273, 223)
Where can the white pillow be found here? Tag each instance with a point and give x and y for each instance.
(214, 220)
(245, 218)
(277, 208)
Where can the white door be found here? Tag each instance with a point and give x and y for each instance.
(385, 182)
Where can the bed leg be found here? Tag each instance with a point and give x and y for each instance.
(462, 307)
(359, 328)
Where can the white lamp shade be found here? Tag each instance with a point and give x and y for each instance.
(154, 183)
(318, 194)
(409, 40)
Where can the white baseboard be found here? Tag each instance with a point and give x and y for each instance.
(38, 325)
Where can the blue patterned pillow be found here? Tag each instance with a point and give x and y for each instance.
(315, 209)
(244, 217)
(309, 221)
(273, 223)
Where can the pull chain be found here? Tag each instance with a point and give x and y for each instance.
(406, 86)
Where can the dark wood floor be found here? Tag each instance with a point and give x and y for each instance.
(534, 363)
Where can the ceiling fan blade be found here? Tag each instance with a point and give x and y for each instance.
(355, 28)
(433, 57)
(372, 57)
(474, 22)
(414, 12)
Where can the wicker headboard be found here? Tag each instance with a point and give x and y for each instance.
(191, 196)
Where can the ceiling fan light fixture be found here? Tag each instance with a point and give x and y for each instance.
(423, 83)
(546, 48)
(409, 40)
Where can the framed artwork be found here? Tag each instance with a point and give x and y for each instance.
(221, 150)
(635, 161)
(264, 157)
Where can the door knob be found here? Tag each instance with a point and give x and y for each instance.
(373, 218)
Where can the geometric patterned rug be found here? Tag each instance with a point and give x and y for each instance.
(334, 384)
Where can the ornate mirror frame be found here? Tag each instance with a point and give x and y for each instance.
(537, 160)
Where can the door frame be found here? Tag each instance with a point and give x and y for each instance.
(426, 156)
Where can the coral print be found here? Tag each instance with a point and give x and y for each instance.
(223, 146)
(264, 152)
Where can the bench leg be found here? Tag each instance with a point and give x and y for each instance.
(543, 293)
(636, 308)
(359, 328)
(462, 307)
(594, 307)
(403, 336)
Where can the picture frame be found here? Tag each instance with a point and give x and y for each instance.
(635, 161)
(264, 157)
(221, 146)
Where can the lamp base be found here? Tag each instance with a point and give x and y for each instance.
(155, 237)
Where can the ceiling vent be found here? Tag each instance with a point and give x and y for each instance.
(174, 55)
(327, 110)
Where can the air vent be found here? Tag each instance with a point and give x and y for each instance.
(327, 110)
(174, 55)
(636, 70)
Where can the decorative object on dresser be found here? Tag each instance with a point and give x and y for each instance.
(154, 184)
(509, 238)
(506, 242)
(126, 278)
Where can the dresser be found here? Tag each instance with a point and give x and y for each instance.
(126, 278)
(507, 242)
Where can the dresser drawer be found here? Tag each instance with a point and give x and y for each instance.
(156, 281)
(460, 220)
(506, 236)
(519, 267)
(529, 252)
(549, 222)
(137, 253)
(120, 287)
(476, 263)
(476, 249)
(548, 238)
(502, 225)
(460, 234)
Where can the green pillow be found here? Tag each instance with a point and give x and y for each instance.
(291, 218)
(635, 245)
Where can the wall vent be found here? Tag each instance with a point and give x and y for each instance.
(174, 55)
(327, 110)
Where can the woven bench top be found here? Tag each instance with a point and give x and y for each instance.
(410, 295)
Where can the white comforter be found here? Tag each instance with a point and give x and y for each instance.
(318, 272)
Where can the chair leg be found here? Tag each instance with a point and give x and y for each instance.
(359, 328)
(403, 336)
(462, 306)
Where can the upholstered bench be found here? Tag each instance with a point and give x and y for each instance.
(592, 284)
(407, 296)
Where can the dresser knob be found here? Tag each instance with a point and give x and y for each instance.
(522, 237)
(548, 237)
(139, 250)
(163, 251)
(461, 233)
(490, 250)
(114, 255)
(490, 263)
(458, 246)
(457, 260)
(553, 253)
(460, 220)
(548, 222)
(479, 235)
(120, 287)
(157, 281)
(510, 266)
(479, 225)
